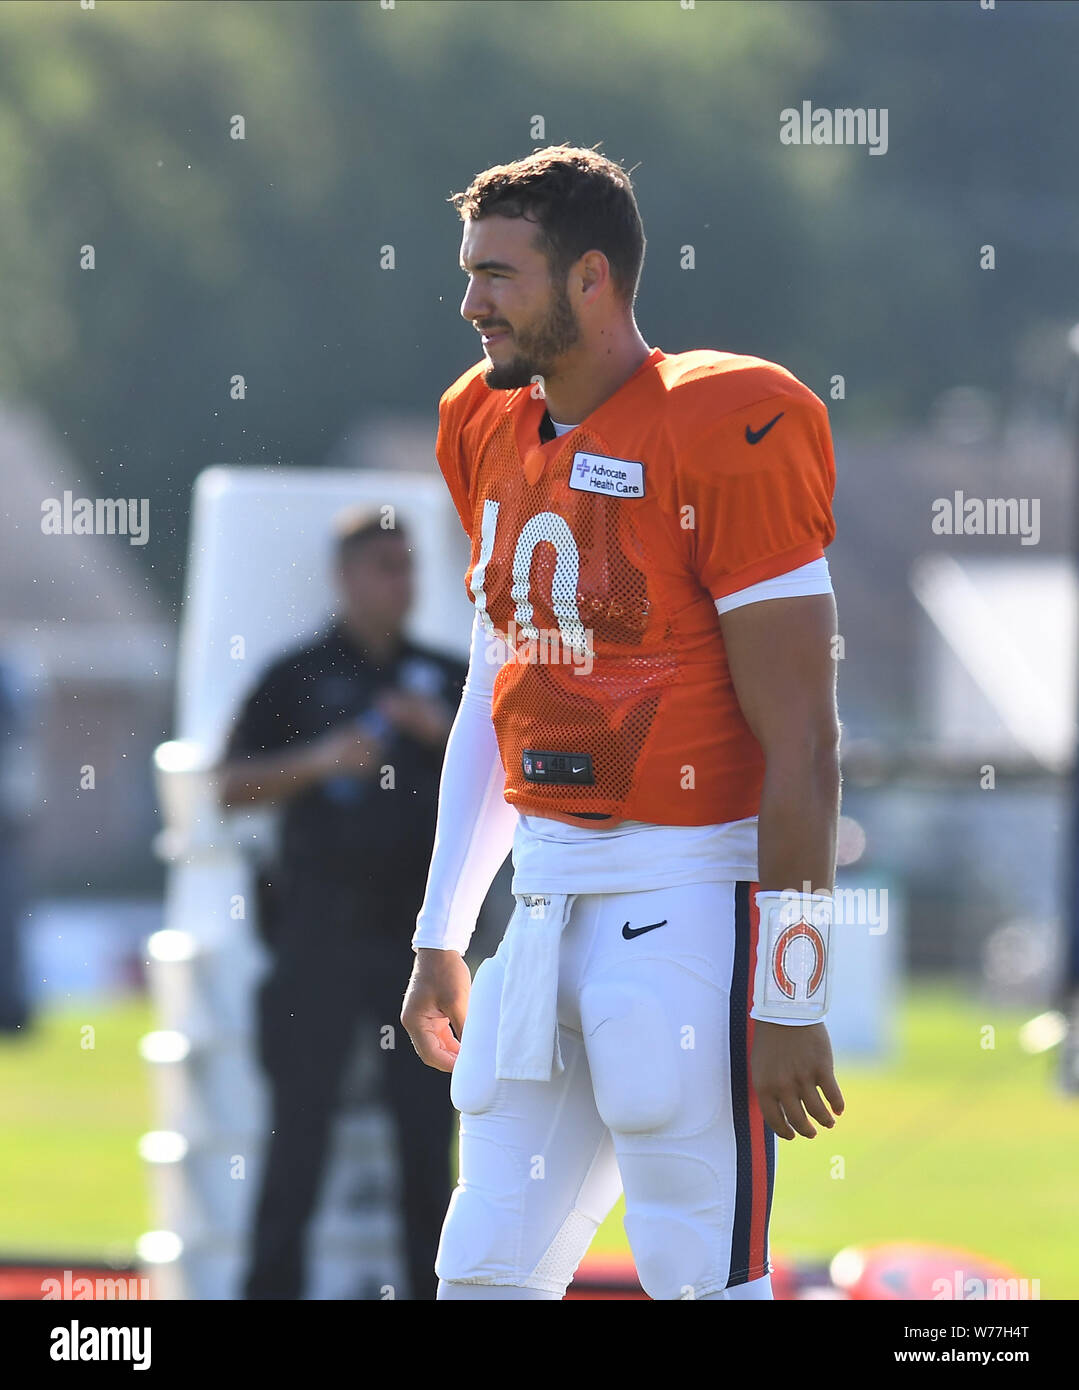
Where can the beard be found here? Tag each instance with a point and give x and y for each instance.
(538, 348)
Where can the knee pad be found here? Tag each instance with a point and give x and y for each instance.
(633, 1055)
(473, 1086)
(472, 1246)
(675, 1259)
(677, 1222)
(480, 1245)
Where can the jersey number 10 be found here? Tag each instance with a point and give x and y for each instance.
(546, 527)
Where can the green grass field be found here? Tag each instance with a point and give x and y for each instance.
(955, 1143)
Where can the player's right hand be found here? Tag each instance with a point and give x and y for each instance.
(792, 1070)
(435, 1005)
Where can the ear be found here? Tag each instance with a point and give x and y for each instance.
(594, 270)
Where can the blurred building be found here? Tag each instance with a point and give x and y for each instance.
(81, 619)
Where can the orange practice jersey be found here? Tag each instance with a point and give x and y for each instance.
(599, 556)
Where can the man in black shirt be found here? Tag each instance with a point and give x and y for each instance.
(348, 734)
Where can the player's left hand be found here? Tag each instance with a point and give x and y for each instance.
(790, 1068)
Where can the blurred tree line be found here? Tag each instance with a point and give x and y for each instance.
(262, 256)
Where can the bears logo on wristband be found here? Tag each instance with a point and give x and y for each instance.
(798, 960)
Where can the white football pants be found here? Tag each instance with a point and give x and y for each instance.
(655, 1099)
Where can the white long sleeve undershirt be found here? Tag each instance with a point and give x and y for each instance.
(475, 826)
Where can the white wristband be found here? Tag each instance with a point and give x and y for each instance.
(790, 981)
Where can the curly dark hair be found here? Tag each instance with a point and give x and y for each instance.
(580, 200)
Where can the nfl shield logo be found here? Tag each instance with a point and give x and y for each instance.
(527, 765)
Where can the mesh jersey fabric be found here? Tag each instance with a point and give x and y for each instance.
(738, 474)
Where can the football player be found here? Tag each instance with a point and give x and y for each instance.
(650, 723)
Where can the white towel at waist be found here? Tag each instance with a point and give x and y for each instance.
(549, 857)
(527, 1048)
